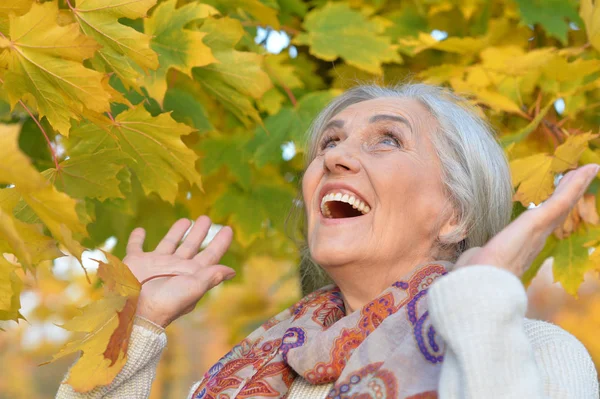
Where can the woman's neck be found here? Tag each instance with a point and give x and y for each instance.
(360, 284)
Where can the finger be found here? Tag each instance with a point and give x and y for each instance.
(570, 190)
(217, 247)
(135, 243)
(171, 240)
(191, 243)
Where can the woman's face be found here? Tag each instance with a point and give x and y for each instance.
(379, 152)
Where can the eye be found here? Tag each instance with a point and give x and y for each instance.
(389, 138)
(328, 142)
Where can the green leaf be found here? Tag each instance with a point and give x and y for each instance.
(357, 40)
(571, 259)
(290, 124)
(227, 150)
(552, 15)
(176, 47)
(187, 109)
(91, 175)
(151, 146)
(236, 72)
(249, 212)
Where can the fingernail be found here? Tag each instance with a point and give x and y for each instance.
(229, 277)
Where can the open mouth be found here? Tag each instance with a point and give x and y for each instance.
(337, 205)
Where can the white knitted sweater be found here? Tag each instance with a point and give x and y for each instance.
(492, 351)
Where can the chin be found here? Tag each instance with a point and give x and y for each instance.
(331, 253)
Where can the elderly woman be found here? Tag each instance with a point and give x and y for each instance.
(408, 199)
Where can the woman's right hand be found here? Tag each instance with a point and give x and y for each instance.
(190, 274)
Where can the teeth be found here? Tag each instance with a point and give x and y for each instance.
(347, 198)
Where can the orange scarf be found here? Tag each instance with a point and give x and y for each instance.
(387, 349)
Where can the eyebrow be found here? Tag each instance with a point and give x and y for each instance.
(375, 118)
(394, 118)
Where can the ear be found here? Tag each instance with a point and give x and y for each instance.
(450, 223)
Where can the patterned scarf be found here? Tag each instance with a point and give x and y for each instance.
(387, 349)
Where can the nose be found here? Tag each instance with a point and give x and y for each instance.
(338, 160)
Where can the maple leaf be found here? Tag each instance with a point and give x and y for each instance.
(236, 72)
(83, 176)
(358, 41)
(256, 9)
(228, 151)
(290, 124)
(590, 13)
(269, 203)
(166, 27)
(55, 209)
(48, 67)
(26, 241)
(10, 290)
(552, 15)
(124, 50)
(534, 175)
(16, 7)
(572, 259)
(150, 145)
(105, 326)
(584, 211)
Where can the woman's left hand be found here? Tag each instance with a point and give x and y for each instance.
(519, 243)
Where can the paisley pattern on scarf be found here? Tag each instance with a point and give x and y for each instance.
(387, 349)
(382, 384)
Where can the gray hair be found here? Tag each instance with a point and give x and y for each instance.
(474, 168)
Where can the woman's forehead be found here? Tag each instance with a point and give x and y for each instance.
(406, 107)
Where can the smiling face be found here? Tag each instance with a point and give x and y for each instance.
(378, 155)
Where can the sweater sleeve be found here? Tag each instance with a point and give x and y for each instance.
(135, 379)
(479, 312)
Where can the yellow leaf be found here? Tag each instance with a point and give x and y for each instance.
(26, 241)
(55, 209)
(16, 167)
(106, 326)
(535, 174)
(10, 291)
(259, 11)
(124, 50)
(567, 154)
(45, 63)
(17, 7)
(590, 13)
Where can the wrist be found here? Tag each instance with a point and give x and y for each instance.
(145, 312)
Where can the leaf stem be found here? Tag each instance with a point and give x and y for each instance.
(157, 276)
(283, 85)
(54, 157)
(52, 152)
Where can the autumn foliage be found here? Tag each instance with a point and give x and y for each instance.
(124, 113)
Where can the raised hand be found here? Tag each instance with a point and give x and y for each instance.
(175, 276)
(519, 243)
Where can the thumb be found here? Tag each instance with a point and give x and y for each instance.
(465, 258)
